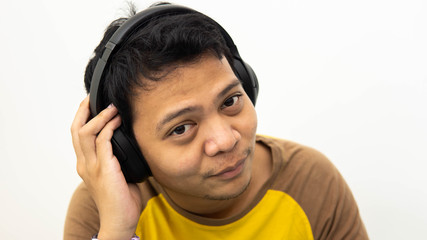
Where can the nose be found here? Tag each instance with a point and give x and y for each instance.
(221, 137)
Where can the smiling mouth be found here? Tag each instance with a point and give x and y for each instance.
(231, 169)
(231, 172)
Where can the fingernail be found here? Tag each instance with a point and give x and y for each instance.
(111, 105)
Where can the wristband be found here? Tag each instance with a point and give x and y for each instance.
(95, 237)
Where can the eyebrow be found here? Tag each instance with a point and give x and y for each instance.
(169, 117)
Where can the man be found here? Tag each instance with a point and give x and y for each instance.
(173, 88)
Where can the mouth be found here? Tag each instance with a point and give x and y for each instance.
(231, 171)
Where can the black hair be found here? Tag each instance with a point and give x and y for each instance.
(151, 52)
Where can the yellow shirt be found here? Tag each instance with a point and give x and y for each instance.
(276, 216)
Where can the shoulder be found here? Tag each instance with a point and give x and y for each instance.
(298, 160)
(312, 180)
(81, 195)
(299, 170)
(82, 220)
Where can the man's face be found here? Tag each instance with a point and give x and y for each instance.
(196, 129)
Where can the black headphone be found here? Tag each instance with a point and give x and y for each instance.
(125, 148)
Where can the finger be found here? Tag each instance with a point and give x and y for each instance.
(88, 133)
(82, 115)
(104, 150)
(96, 124)
(80, 119)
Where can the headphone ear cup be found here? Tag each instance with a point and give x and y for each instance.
(253, 80)
(132, 162)
(248, 78)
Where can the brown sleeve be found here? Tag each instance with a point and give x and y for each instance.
(82, 220)
(314, 182)
(337, 215)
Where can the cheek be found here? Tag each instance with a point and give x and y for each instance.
(173, 162)
(251, 122)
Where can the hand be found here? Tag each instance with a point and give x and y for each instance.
(118, 203)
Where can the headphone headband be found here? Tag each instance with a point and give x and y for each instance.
(135, 22)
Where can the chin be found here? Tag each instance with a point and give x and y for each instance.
(234, 189)
(228, 196)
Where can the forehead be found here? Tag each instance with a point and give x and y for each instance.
(188, 84)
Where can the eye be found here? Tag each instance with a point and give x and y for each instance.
(181, 129)
(229, 102)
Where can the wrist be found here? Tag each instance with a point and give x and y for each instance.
(100, 236)
(115, 231)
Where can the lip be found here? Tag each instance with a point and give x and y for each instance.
(231, 171)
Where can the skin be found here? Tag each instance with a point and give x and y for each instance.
(196, 128)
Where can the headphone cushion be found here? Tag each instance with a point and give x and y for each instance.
(132, 162)
(249, 80)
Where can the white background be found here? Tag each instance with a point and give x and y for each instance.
(346, 77)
